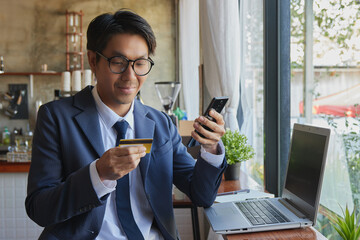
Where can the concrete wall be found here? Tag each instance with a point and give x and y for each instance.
(32, 33)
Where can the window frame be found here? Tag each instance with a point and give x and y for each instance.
(276, 93)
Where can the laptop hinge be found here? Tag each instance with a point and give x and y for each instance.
(291, 208)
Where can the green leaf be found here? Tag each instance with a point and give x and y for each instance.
(352, 235)
(347, 226)
(339, 232)
(357, 233)
(345, 229)
(236, 147)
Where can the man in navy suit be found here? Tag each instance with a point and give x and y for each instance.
(80, 185)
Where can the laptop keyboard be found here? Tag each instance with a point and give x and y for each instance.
(261, 212)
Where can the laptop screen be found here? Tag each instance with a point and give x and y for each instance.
(305, 163)
(305, 169)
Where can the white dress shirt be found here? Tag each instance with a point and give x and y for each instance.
(142, 212)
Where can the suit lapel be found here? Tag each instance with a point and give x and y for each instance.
(144, 128)
(89, 123)
(88, 119)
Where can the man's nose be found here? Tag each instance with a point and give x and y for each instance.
(129, 73)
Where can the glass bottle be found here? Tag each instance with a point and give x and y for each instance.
(57, 94)
(2, 66)
(6, 136)
(28, 138)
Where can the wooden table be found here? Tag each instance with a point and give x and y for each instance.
(293, 234)
(182, 201)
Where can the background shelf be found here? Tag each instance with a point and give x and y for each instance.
(29, 73)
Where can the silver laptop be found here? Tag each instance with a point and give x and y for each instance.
(298, 205)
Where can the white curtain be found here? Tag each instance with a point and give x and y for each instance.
(220, 38)
(336, 189)
(251, 70)
(189, 52)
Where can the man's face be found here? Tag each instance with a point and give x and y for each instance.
(117, 91)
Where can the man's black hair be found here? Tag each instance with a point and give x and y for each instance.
(104, 26)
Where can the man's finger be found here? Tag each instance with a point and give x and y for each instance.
(214, 126)
(217, 116)
(207, 140)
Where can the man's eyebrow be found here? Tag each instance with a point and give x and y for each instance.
(116, 53)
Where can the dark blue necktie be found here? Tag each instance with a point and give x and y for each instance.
(123, 206)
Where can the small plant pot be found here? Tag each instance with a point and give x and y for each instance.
(232, 172)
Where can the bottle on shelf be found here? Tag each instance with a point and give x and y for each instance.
(28, 138)
(13, 135)
(2, 66)
(28, 130)
(6, 136)
(57, 94)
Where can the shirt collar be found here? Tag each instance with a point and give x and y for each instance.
(108, 116)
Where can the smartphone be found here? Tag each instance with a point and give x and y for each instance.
(217, 103)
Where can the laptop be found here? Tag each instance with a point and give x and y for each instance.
(297, 206)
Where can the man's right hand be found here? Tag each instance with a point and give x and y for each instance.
(119, 161)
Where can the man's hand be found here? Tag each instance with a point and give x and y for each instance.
(211, 139)
(117, 162)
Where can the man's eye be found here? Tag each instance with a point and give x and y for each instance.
(141, 62)
(118, 62)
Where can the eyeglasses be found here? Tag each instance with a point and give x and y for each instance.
(119, 64)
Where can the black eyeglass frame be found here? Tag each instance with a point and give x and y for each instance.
(128, 62)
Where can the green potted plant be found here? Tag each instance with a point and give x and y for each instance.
(347, 226)
(237, 150)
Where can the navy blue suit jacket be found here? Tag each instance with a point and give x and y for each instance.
(67, 139)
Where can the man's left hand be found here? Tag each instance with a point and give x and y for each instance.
(211, 139)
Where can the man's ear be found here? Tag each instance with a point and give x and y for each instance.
(92, 60)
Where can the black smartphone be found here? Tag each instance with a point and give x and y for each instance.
(217, 103)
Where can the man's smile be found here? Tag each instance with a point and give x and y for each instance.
(126, 89)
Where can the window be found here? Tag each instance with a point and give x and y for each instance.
(328, 94)
(252, 83)
(265, 88)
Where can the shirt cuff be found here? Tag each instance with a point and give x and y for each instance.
(101, 187)
(214, 159)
